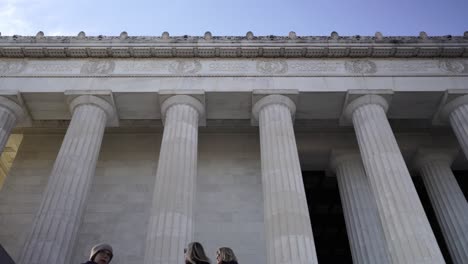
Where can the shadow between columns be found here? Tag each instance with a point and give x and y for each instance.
(328, 222)
(326, 215)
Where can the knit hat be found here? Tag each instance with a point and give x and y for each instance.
(100, 247)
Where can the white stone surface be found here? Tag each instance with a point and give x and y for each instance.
(407, 231)
(228, 208)
(233, 67)
(10, 114)
(55, 227)
(447, 199)
(365, 233)
(456, 112)
(8, 156)
(170, 227)
(119, 202)
(287, 223)
(118, 208)
(21, 194)
(248, 46)
(235, 84)
(230, 97)
(118, 205)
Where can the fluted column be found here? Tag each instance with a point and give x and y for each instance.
(56, 223)
(405, 225)
(363, 225)
(447, 199)
(10, 114)
(288, 228)
(170, 225)
(457, 113)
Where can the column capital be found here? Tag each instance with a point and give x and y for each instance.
(13, 107)
(101, 98)
(183, 99)
(449, 107)
(99, 102)
(363, 100)
(429, 155)
(338, 156)
(451, 100)
(273, 99)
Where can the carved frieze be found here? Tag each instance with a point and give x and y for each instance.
(361, 66)
(228, 66)
(98, 67)
(314, 66)
(142, 66)
(272, 66)
(53, 66)
(453, 66)
(185, 66)
(406, 67)
(12, 66)
(232, 67)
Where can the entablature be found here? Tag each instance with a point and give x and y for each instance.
(314, 108)
(233, 67)
(250, 46)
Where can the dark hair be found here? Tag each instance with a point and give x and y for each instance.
(195, 254)
(227, 255)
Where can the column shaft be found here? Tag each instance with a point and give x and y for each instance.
(406, 228)
(450, 207)
(170, 226)
(7, 123)
(361, 216)
(56, 224)
(459, 122)
(288, 227)
(10, 114)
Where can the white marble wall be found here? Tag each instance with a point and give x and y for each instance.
(229, 203)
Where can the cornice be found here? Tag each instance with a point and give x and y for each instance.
(250, 46)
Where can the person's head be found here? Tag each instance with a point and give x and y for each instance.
(225, 255)
(101, 254)
(195, 253)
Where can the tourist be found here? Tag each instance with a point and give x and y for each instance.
(100, 254)
(194, 254)
(225, 255)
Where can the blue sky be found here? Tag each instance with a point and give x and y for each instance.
(234, 17)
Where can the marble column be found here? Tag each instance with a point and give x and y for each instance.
(287, 221)
(170, 225)
(407, 231)
(56, 223)
(10, 114)
(447, 199)
(363, 225)
(456, 112)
